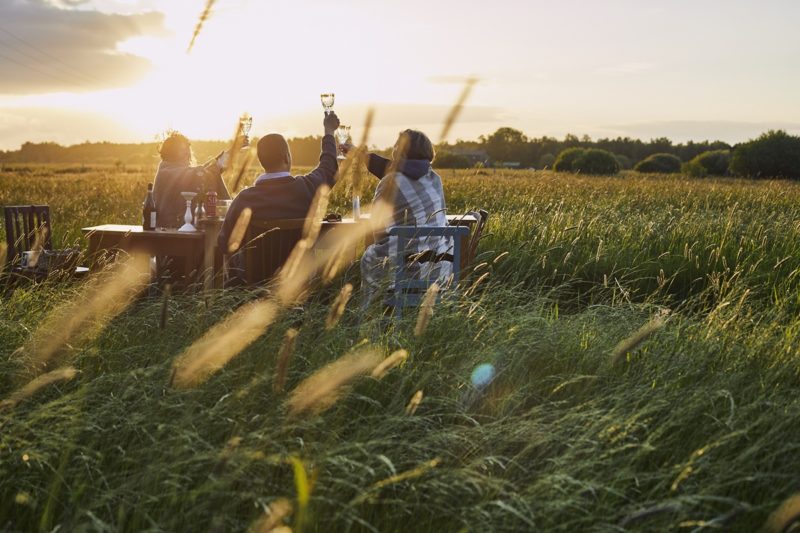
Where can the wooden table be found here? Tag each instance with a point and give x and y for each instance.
(197, 248)
(191, 246)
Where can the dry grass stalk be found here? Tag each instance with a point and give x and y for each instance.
(322, 389)
(222, 343)
(162, 323)
(243, 168)
(105, 297)
(396, 359)
(37, 247)
(239, 230)
(199, 26)
(413, 403)
(456, 109)
(272, 521)
(426, 309)
(403, 476)
(61, 374)
(785, 518)
(3, 254)
(337, 309)
(284, 356)
(634, 341)
(319, 206)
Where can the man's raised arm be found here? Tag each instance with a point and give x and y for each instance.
(325, 173)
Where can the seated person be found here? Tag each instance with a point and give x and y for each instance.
(417, 197)
(176, 175)
(276, 194)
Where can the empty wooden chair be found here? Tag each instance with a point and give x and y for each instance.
(28, 228)
(409, 290)
(267, 246)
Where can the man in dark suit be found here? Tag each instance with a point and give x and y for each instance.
(277, 194)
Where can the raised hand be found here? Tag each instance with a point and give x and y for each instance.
(330, 123)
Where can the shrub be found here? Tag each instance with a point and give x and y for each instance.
(775, 154)
(450, 160)
(547, 160)
(623, 161)
(659, 164)
(596, 162)
(566, 158)
(716, 162)
(694, 169)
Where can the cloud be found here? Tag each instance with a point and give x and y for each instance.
(47, 47)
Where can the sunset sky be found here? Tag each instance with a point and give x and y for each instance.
(75, 70)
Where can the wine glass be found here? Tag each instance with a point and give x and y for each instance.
(245, 123)
(342, 136)
(327, 102)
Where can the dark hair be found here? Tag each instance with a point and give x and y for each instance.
(418, 146)
(174, 147)
(272, 150)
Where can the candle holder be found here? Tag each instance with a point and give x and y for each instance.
(187, 218)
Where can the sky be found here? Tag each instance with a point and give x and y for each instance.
(119, 70)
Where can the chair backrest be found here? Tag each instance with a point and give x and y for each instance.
(24, 225)
(472, 248)
(403, 282)
(268, 245)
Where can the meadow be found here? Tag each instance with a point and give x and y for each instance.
(644, 331)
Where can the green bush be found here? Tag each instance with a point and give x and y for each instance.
(451, 160)
(547, 161)
(775, 154)
(711, 163)
(623, 161)
(596, 162)
(694, 169)
(566, 158)
(659, 164)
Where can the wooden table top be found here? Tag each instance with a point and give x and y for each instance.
(174, 233)
(125, 229)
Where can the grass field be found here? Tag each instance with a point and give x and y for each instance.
(689, 425)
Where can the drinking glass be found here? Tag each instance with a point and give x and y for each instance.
(327, 102)
(342, 136)
(245, 123)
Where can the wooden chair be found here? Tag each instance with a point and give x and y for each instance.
(268, 245)
(409, 291)
(28, 227)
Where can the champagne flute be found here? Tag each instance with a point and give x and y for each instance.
(342, 136)
(245, 123)
(327, 102)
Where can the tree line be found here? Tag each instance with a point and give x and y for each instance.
(774, 154)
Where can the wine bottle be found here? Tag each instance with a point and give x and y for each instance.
(149, 210)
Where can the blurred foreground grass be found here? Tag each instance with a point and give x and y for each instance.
(695, 428)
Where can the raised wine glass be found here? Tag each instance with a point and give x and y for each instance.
(342, 136)
(327, 102)
(245, 123)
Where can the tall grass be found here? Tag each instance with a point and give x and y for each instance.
(694, 427)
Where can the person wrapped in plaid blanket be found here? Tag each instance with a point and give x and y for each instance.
(415, 191)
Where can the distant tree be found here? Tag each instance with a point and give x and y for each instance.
(566, 159)
(506, 144)
(775, 154)
(595, 162)
(623, 161)
(659, 164)
(546, 161)
(445, 159)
